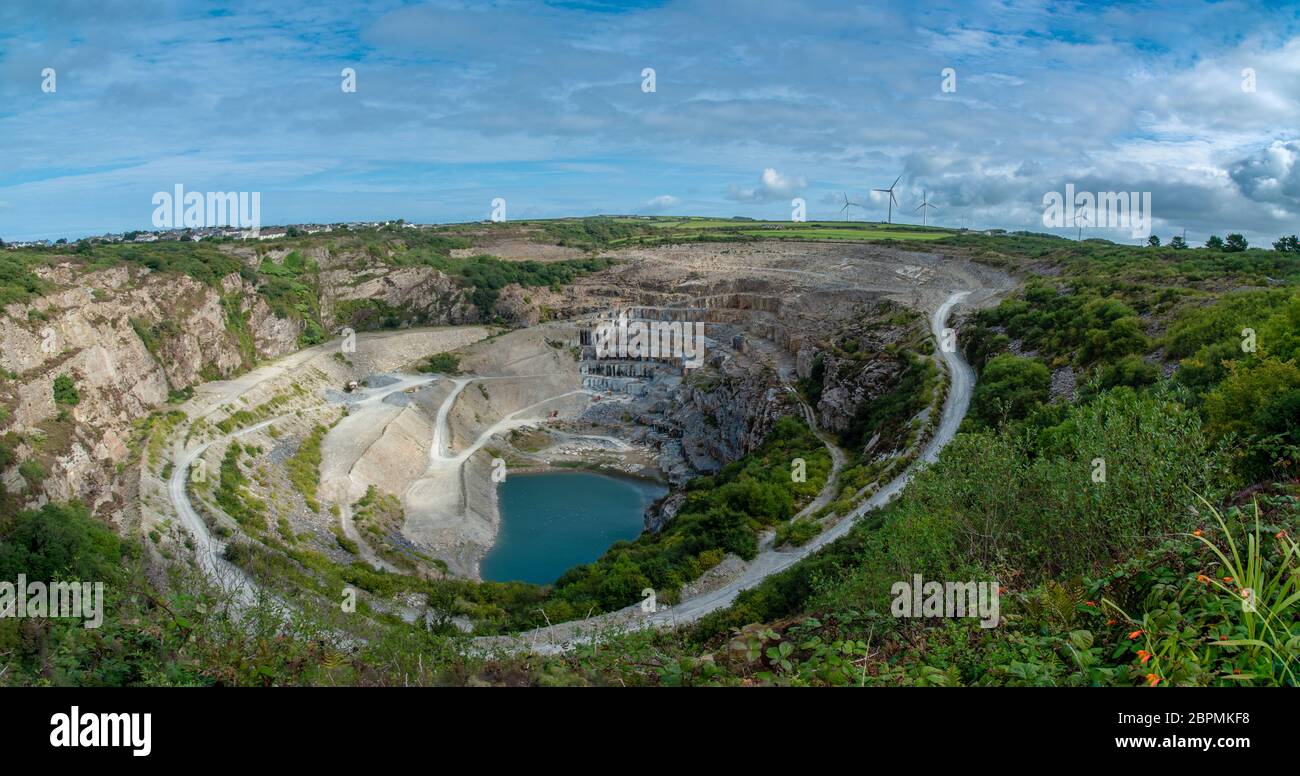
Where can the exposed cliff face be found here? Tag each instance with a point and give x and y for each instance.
(717, 418)
(126, 337)
(724, 417)
(847, 383)
(859, 362)
(368, 299)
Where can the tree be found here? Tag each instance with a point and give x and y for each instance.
(65, 391)
(1129, 370)
(1177, 242)
(1010, 386)
(59, 542)
(1235, 243)
(1287, 244)
(1153, 241)
(1215, 243)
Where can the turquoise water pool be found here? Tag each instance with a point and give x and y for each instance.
(553, 521)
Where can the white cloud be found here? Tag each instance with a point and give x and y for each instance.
(1272, 175)
(661, 203)
(772, 185)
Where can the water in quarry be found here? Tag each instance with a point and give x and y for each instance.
(553, 521)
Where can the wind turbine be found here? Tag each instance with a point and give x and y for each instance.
(847, 203)
(1084, 215)
(892, 201)
(924, 207)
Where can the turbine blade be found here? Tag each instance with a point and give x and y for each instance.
(896, 180)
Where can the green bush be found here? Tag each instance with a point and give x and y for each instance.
(1132, 371)
(65, 391)
(304, 467)
(1009, 388)
(59, 542)
(441, 363)
(32, 470)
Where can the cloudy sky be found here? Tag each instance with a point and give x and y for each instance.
(755, 102)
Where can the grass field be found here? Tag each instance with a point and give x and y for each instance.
(668, 229)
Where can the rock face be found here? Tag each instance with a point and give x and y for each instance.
(723, 419)
(848, 384)
(128, 337)
(371, 298)
(855, 364)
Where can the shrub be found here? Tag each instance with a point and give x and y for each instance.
(1009, 388)
(1132, 371)
(304, 467)
(65, 391)
(59, 542)
(441, 363)
(32, 470)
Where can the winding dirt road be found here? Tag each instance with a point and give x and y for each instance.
(210, 550)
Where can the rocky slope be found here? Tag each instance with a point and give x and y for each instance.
(128, 338)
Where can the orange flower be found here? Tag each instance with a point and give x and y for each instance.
(1090, 603)
(1202, 578)
(1111, 621)
(1134, 634)
(1152, 680)
(1144, 655)
(1280, 534)
(1197, 532)
(1227, 580)
(1001, 590)
(1223, 638)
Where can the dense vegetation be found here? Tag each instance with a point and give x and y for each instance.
(722, 514)
(1086, 509)
(592, 233)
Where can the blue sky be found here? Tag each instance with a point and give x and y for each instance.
(755, 103)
